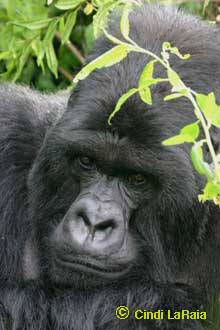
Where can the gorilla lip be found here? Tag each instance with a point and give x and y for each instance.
(91, 266)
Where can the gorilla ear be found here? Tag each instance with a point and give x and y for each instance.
(30, 261)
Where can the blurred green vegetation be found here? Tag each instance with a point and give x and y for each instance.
(44, 43)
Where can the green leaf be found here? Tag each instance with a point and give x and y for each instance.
(69, 25)
(166, 46)
(146, 80)
(173, 96)
(186, 56)
(211, 192)
(212, 189)
(121, 101)
(33, 25)
(22, 61)
(39, 50)
(97, 3)
(145, 95)
(175, 140)
(89, 38)
(210, 109)
(61, 26)
(52, 59)
(23, 10)
(100, 20)
(146, 77)
(5, 55)
(175, 50)
(191, 130)
(50, 32)
(68, 4)
(174, 80)
(188, 134)
(124, 23)
(111, 57)
(199, 164)
(112, 38)
(201, 99)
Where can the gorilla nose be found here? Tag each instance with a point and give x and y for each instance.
(94, 226)
(98, 227)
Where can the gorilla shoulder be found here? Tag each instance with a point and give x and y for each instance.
(28, 104)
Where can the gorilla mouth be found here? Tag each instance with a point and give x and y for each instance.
(94, 266)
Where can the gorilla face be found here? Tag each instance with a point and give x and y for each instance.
(94, 186)
(101, 197)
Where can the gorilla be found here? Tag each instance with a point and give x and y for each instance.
(96, 216)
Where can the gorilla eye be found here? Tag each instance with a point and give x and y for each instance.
(87, 163)
(136, 179)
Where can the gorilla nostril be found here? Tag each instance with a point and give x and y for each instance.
(106, 225)
(103, 230)
(82, 215)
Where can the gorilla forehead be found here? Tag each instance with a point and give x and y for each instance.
(136, 120)
(136, 132)
(105, 147)
(119, 155)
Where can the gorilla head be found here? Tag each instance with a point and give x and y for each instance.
(111, 204)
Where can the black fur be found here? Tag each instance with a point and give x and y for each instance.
(177, 238)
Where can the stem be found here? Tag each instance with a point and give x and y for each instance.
(149, 53)
(72, 48)
(66, 74)
(136, 48)
(76, 52)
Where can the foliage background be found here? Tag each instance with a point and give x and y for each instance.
(44, 43)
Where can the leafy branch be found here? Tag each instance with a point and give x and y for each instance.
(31, 28)
(206, 110)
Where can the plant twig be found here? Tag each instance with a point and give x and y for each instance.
(66, 74)
(72, 48)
